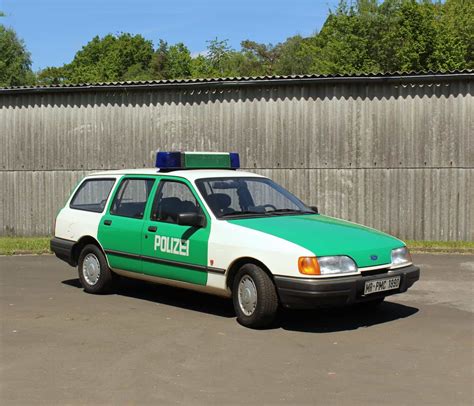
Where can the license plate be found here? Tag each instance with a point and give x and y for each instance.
(379, 285)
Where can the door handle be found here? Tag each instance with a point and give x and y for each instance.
(107, 222)
(152, 228)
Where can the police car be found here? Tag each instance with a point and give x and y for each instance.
(196, 222)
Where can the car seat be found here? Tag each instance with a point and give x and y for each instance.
(219, 203)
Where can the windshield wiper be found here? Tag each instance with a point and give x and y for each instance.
(242, 213)
(290, 211)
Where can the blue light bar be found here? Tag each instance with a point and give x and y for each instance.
(168, 160)
(234, 160)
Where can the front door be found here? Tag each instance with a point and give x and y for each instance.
(170, 250)
(120, 229)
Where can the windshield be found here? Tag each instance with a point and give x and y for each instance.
(249, 197)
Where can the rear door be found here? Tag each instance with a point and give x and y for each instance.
(170, 250)
(120, 229)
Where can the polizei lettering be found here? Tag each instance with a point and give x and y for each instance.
(172, 245)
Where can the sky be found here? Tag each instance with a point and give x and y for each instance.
(54, 30)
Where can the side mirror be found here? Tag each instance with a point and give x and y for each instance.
(315, 208)
(191, 219)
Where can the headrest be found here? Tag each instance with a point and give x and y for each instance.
(168, 202)
(219, 201)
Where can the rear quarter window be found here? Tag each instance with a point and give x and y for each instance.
(92, 195)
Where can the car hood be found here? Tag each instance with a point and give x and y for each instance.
(325, 235)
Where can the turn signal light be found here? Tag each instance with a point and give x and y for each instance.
(309, 266)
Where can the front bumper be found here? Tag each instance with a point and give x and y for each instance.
(310, 293)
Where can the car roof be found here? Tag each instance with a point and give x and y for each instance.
(190, 174)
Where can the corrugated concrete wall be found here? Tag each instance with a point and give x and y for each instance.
(393, 154)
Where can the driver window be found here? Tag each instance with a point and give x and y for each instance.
(173, 198)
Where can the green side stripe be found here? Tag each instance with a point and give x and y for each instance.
(166, 262)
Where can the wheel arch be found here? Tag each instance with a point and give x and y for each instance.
(81, 243)
(238, 263)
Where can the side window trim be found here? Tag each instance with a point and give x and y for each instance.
(118, 190)
(161, 183)
(84, 182)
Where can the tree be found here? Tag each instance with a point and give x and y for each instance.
(395, 35)
(171, 62)
(179, 62)
(52, 76)
(346, 39)
(15, 62)
(112, 58)
(266, 55)
(159, 60)
(201, 67)
(218, 55)
(455, 46)
(220, 60)
(296, 56)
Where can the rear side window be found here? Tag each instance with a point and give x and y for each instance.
(131, 197)
(92, 195)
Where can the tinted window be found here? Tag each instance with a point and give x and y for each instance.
(171, 199)
(92, 195)
(131, 197)
(241, 197)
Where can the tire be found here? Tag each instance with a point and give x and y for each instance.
(254, 296)
(94, 273)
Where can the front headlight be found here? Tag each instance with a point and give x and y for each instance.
(401, 256)
(326, 265)
(336, 265)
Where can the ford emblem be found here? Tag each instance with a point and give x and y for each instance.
(373, 257)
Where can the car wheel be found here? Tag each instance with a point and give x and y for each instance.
(254, 296)
(94, 273)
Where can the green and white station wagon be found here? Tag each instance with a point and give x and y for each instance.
(196, 222)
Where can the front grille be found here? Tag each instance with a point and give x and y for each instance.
(374, 272)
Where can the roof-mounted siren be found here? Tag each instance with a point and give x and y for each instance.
(171, 161)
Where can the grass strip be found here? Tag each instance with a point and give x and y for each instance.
(441, 246)
(24, 245)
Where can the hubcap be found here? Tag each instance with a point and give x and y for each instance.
(91, 269)
(247, 295)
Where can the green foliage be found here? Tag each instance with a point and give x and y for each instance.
(112, 58)
(218, 56)
(296, 55)
(358, 36)
(396, 35)
(15, 62)
(264, 55)
(52, 76)
(171, 62)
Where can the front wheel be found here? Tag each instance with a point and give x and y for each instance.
(94, 273)
(254, 297)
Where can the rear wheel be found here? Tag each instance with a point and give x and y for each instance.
(254, 297)
(94, 273)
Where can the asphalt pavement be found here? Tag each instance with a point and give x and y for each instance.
(152, 344)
